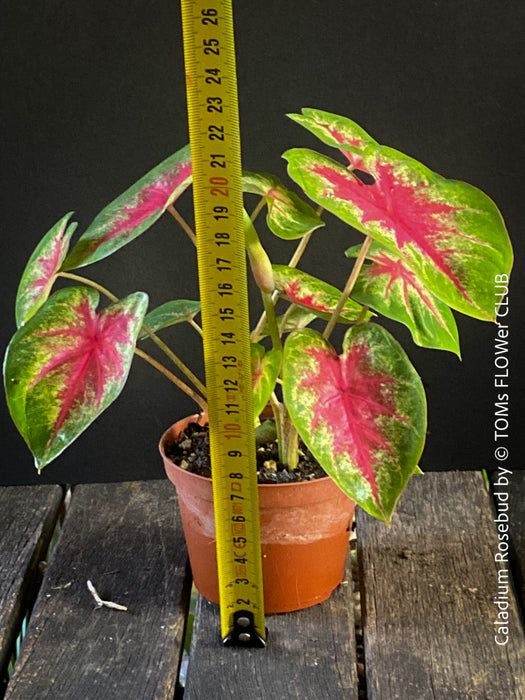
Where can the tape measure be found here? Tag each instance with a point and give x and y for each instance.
(211, 86)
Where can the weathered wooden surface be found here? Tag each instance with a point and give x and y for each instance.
(27, 520)
(127, 540)
(428, 584)
(428, 588)
(310, 654)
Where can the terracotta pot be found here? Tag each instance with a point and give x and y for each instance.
(305, 529)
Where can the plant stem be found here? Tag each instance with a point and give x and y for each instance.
(272, 321)
(282, 326)
(287, 437)
(196, 326)
(290, 439)
(175, 359)
(348, 287)
(298, 253)
(277, 407)
(89, 283)
(362, 315)
(177, 216)
(260, 205)
(160, 343)
(178, 382)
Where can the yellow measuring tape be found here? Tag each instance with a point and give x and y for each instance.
(211, 85)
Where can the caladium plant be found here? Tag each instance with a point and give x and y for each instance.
(431, 245)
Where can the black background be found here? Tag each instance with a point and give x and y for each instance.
(93, 96)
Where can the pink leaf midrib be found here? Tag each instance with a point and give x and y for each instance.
(87, 361)
(396, 270)
(375, 203)
(339, 388)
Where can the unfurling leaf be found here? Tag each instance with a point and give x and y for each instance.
(134, 211)
(67, 364)
(288, 216)
(169, 314)
(388, 286)
(362, 414)
(449, 233)
(265, 370)
(313, 294)
(339, 132)
(40, 273)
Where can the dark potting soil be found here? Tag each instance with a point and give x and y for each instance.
(192, 452)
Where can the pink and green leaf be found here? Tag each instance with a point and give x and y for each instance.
(311, 293)
(134, 211)
(388, 286)
(339, 132)
(67, 364)
(41, 270)
(449, 233)
(169, 314)
(265, 370)
(362, 413)
(288, 215)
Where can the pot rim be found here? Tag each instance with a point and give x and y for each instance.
(197, 417)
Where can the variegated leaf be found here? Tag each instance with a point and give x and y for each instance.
(134, 211)
(339, 132)
(314, 294)
(41, 270)
(362, 414)
(67, 364)
(265, 370)
(388, 286)
(449, 233)
(169, 314)
(288, 216)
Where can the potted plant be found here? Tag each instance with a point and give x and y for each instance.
(431, 245)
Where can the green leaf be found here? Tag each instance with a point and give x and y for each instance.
(313, 294)
(449, 233)
(362, 414)
(388, 286)
(339, 132)
(134, 211)
(265, 370)
(169, 314)
(67, 364)
(288, 216)
(41, 270)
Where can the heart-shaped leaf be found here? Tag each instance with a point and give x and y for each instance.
(339, 132)
(314, 294)
(169, 314)
(362, 414)
(40, 273)
(134, 211)
(67, 364)
(288, 216)
(388, 286)
(265, 370)
(449, 233)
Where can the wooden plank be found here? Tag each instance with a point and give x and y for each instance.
(27, 519)
(516, 512)
(309, 654)
(127, 539)
(428, 588)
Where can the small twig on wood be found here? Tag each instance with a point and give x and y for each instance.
(100, 603)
